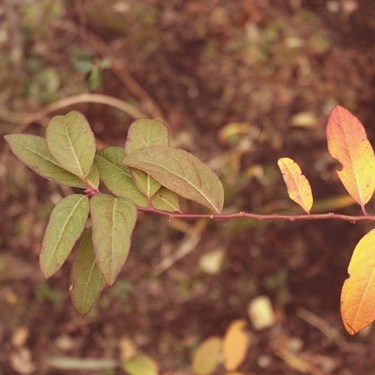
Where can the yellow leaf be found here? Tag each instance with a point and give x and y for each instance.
(235, 345)
(348, 143)
(298, 186)
(358, 292)
(207, 356)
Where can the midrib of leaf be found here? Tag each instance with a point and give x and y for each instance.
(363, 295)
(37, 153)
(112, 228)
(73, 150)
(186, 180)
(88, 280)
(66, 223)
(148, 185)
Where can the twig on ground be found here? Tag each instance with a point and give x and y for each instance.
(329, 331)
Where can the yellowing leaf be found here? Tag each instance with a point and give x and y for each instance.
(348, 143)
(113, 221)
(180, 172)
(87, 280)
(71, 142)
(298, 186)
(207, 356)
(235, 345)
(358, 292)
(65, 226)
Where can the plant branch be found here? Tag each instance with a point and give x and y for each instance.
(261, 217)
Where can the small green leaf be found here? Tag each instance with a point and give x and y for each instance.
(180, 172)
(72, 142)
(87, 280)
(141, 365)
(113, 221)
(144, 133)
(33, 151)
(145, 183)
(65, 226)
(116, 176)
(166, 200)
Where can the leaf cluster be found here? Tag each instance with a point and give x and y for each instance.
(145, 173)
(348, 144)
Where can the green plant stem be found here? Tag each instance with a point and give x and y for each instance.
(261, 217)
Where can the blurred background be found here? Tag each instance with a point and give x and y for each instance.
(241, 83)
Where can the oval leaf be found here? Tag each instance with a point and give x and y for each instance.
(93, 177)
(299, 189)
(358, 292)
(116, 176)
(32, 150)
(207, 356)
(65, 226)
(348, 143)
(146, 132)
(141, 364)
(180, 172)
(86, 279)
(113, 221)
(235, 345)
(72, 142)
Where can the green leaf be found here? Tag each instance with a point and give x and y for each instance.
(65, 226)
(144, 133)
(141, 364)
(72, 142)
(180, 172)
(113, 221)
(93, 177)
(87, 280)
(33, 151)
(145, 183)
(166, 200)
(116, 176)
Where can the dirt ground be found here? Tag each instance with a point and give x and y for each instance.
(241, 83)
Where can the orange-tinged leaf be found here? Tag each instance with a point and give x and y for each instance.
(358, 292)
(348, 143)
(207, 356)
(235, 345)
(299, 189)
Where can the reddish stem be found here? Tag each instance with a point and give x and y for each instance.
(261, 217)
